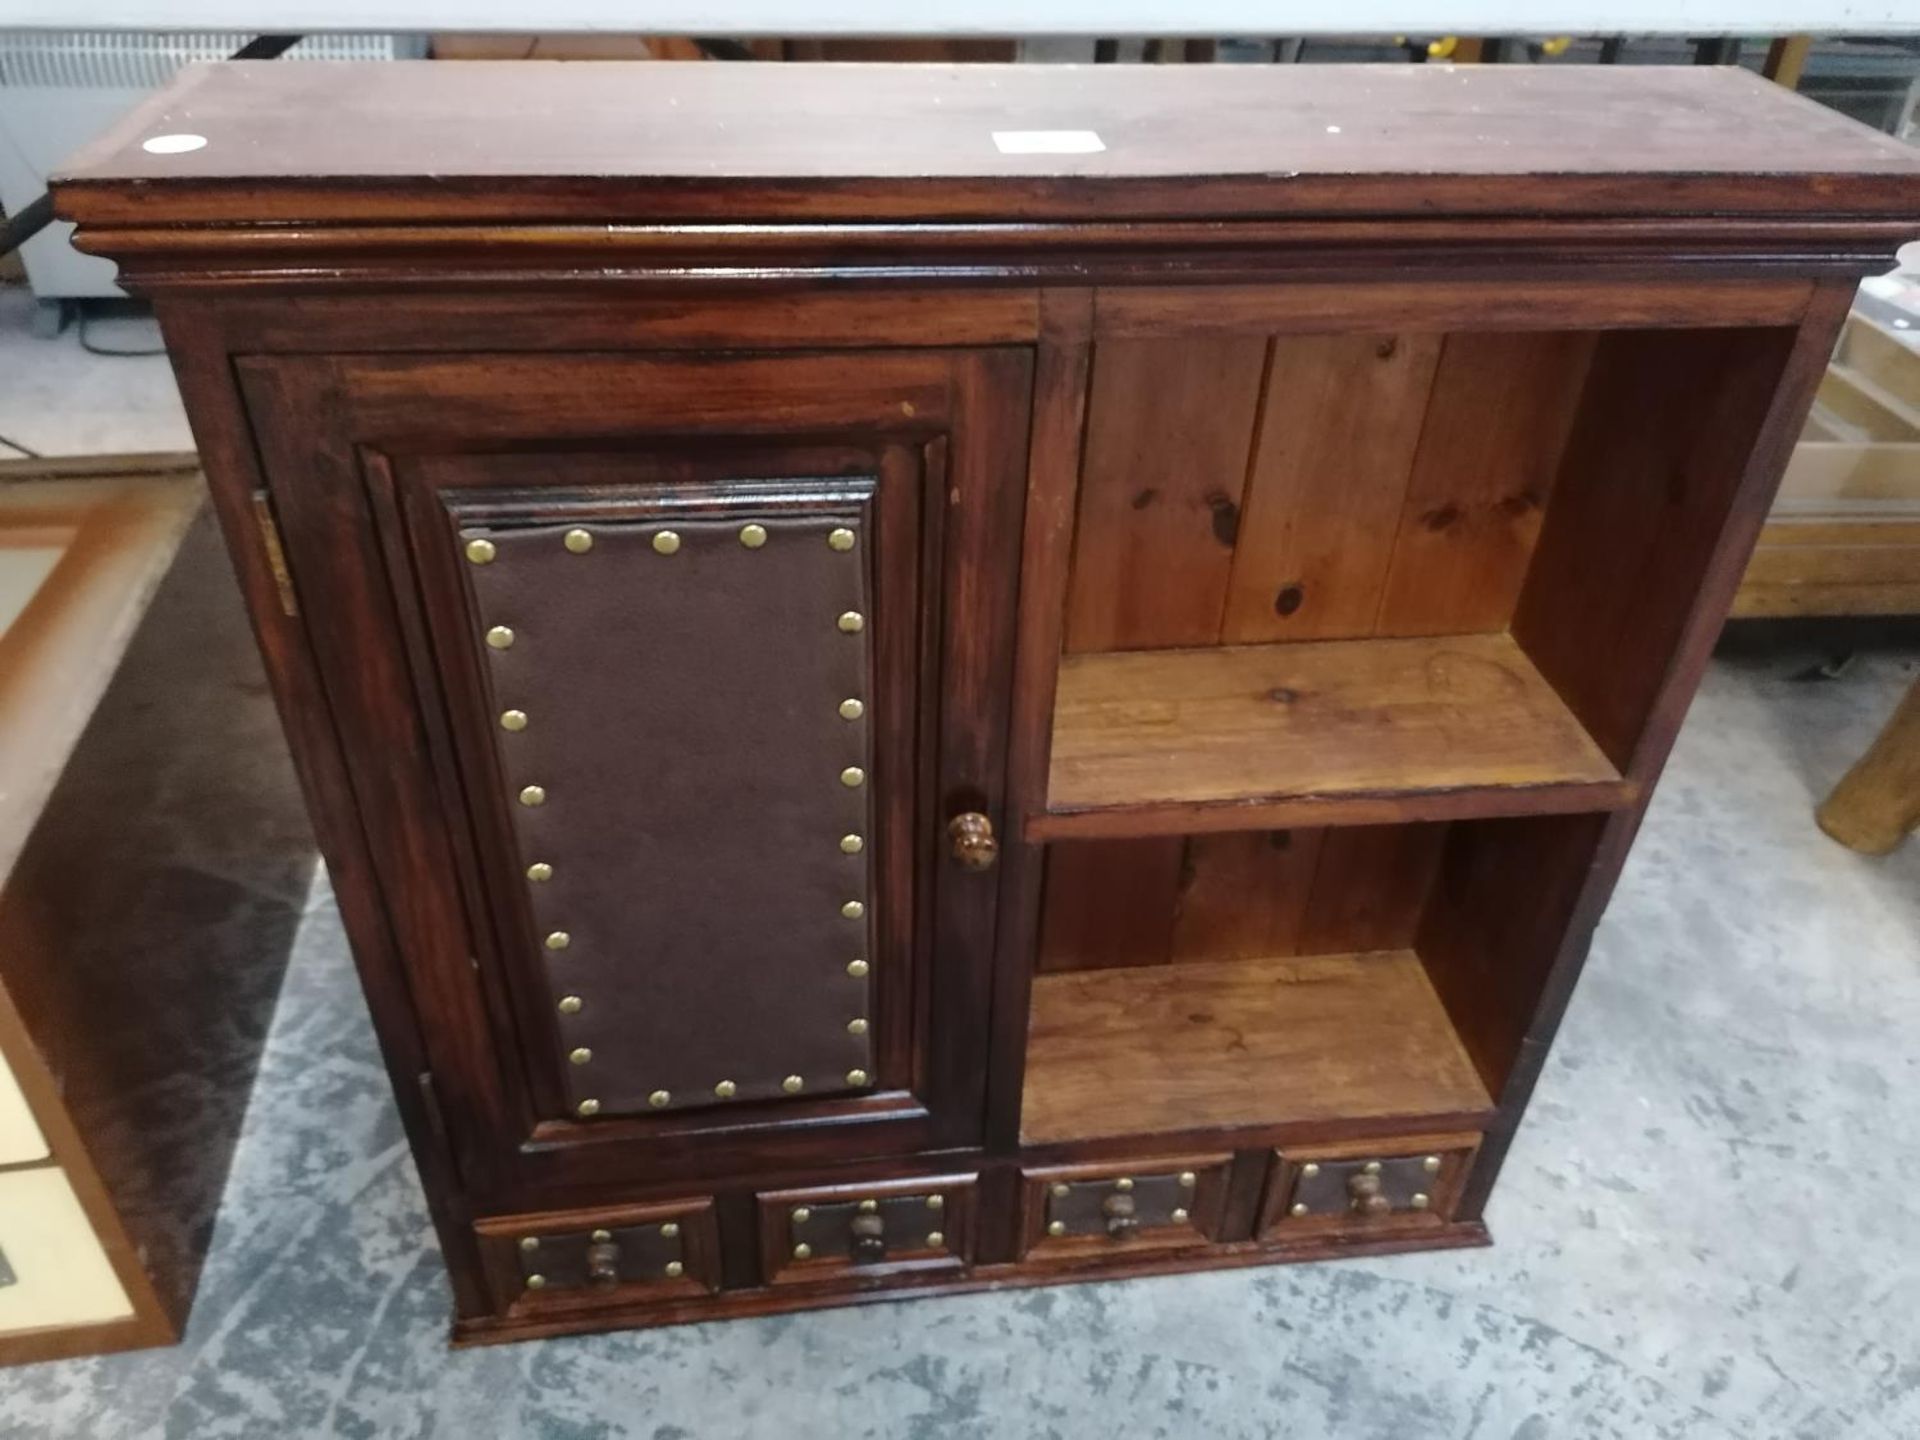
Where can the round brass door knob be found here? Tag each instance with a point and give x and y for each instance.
(973, 843)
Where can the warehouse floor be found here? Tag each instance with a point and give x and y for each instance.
(1707, 1227)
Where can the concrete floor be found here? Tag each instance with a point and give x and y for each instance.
(1707, 1227)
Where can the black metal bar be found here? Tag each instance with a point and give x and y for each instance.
(266, 47)
(28, 223)
(18, 229)
(1717, 50)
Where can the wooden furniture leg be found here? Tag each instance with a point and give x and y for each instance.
(1878, 801)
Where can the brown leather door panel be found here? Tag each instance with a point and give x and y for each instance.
(690, 805)
(674, 697)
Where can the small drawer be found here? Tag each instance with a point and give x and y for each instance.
(1373, 1184)
(879, 1226)
(1150, 1204)
(590, 1257)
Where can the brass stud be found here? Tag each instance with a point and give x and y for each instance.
(802, 1251)
(588, 1107)
(558, 940)
(858, 969)
(853, 909)
(840, 538)
(857, 1026)
(753, 536)
(857, 1077)
(935, 1239)
(936, 1202)
(853, 777)
(851, 844)
(1056, 1227)
(675, 1269)
(659, 1098)
(792, 1084)
(1299, 1208)
(580, 1056)
(602, 1237)
(513, 719)
(481, 552)
(1372, 1167)
(536, 1282)
(539, 872)
(500, 637)
(851, 709)
(570, 1004)
(1061, 1189)
(1310, 1169)
(1188, 1179)
(1420, 1202)
(578, 541)
(665, 542)
(868, 1207)
(530, 1243)
(1431, 1164)
(532, 796)
(851, 622)
(801, 1214)
(1179, 1216)
(725, 1089)
(1123, 1184)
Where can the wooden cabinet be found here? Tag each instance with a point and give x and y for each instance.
(930, 714)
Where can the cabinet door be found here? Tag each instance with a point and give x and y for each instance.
(660, 681)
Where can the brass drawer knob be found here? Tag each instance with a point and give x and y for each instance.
(1119, 1210)
(973, 843)
(1364, 1189)
(869, 1243)
(603, 1263)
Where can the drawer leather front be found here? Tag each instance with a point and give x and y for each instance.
(1076, 1211)
(883, 1227)
(681, 708)
(602, 1256)
(1365, 1185)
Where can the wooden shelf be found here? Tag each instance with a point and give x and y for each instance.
(1158, 742)
(1169, 1048)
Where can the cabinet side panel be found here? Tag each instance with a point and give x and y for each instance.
(202, 366)
(1657, 453)
(1770, 388)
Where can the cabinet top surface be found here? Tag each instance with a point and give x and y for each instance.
(519, 140)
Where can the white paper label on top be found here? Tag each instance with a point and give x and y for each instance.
(1047, 142)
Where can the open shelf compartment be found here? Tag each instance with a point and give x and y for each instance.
(1336, 980)
(1235, 1043)
(1352, 578)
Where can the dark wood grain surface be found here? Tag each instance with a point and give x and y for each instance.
(612, 141)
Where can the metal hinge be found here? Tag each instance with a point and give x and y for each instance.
(276, 552)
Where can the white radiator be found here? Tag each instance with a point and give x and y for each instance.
(58, 89)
